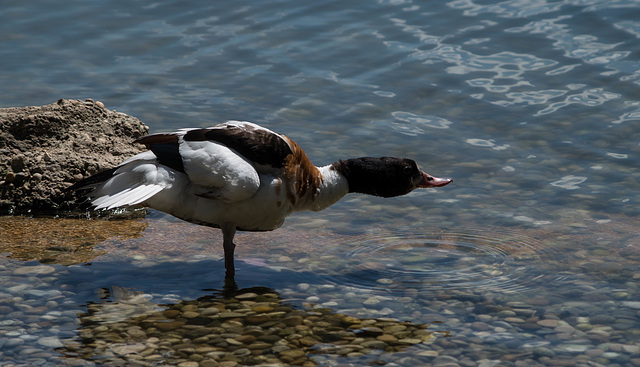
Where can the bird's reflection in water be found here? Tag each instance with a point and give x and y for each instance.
(248, 326)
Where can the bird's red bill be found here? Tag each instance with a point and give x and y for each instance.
(431, 181)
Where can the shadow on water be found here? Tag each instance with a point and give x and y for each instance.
(133, 317)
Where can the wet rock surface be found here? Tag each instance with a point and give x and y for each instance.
(65, 241)
(44, 149)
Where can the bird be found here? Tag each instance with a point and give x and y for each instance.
(240, 176)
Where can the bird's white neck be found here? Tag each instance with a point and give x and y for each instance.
(333, 187)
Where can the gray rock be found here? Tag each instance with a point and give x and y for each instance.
(572, 348)
(12, 342)
(444, 360)
(543, 352)
(632, 304)
(50, 341)
(34, 270)
(47, 148)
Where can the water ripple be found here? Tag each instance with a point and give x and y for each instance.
(508, 9)
(491, 261)
(591, 97)
(418, 121)
(505, 64)
(587, 47)
(531, 97)
(569, 182)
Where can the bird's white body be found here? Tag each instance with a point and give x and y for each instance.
(219, 187)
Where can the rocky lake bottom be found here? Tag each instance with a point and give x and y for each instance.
(155, 295)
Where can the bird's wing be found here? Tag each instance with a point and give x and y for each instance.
(255, 143)
(221, 160)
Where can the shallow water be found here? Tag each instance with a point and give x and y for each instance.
(440, 261)
(528, 258)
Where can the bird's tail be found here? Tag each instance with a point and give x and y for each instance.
(130, 183)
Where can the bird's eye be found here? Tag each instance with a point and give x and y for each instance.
(407, 170)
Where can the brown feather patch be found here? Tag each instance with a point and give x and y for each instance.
(304, 178)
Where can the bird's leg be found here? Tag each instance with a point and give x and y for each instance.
(230, 288)
(228, 260)
(228, 232)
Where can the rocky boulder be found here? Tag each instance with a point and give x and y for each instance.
(44, 149)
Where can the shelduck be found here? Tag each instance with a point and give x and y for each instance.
(241, 176)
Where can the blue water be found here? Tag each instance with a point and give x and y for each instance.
(531, 106)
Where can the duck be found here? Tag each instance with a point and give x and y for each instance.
(240, 176)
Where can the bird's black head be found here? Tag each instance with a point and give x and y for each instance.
(385, 176)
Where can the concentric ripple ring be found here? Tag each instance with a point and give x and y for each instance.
(488, 260)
